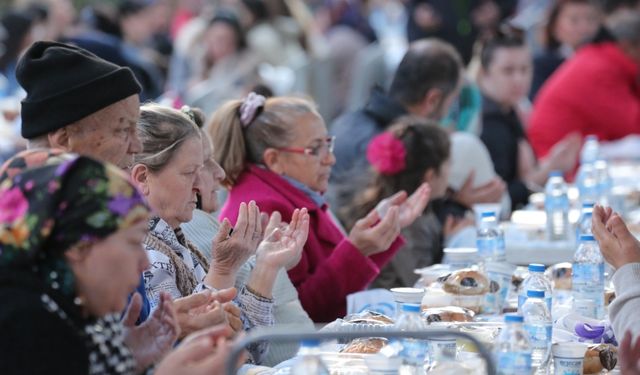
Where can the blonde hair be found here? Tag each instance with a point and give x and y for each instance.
(234, 145)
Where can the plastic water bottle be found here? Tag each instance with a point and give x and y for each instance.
(487, 239)
(590, 149)
(586, 177)
(414, 351)
(603, 181)
(512, 350)
(556, 205)
(538, 325)
(583, 226)
(588, 278)
(536, 280)
(309, 360)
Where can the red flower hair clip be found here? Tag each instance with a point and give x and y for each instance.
(386, 154)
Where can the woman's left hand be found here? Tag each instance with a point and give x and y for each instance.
(151, 340)
(283, 247)
(231, 250)
(409, 208)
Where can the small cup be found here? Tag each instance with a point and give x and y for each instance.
(568, 358)
(406, 295)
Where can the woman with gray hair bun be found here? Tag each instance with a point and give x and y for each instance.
(168, 172)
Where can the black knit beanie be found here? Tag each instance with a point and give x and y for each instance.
(65, 84)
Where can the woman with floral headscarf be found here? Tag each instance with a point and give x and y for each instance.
(70, 253)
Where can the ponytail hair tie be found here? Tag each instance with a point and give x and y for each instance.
(189, 112)
(250, 107)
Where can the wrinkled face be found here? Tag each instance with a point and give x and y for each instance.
(109, 270)
(172, 191)
(211, 177)
(109, 134)
(220, 41)
(439, 180)
(508, 78)
(311, 160)
(576, 24)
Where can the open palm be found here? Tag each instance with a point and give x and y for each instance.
(151, 340)
(283, 247)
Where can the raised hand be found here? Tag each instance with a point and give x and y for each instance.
(413, 206)
(629, 355)
(154, 338)
(203, 353)
(233, 316)
(617, 244)
(232, 248)
(202, 310)
(283, 247)
(372, 236)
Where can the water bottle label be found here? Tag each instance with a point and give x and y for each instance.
(486, 247)
(523, 298)
(414, 350)
(440, 348)
(513, 363)
(588, 284)
(539, 335)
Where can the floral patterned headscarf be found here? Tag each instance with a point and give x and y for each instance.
(51, 202)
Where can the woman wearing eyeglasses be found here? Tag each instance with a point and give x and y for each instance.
(277, 152)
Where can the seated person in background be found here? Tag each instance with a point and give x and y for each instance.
(622, 250)
(67, 227)
(411, 153)
(504, 80)
(596, 92)
(277, 151)
(571, 24)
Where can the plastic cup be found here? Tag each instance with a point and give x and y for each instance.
(568, 358)
(406, 295)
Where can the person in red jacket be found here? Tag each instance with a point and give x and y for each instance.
(597, 92)
(277, 152)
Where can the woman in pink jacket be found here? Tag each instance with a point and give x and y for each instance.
(277, 152)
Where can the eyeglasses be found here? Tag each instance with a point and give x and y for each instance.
(322, 149)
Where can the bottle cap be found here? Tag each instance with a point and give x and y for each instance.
(535, 293)
(588, 204)
(513, 318)
(411, 307)
(488, 214)
(536, 267)
(586, 237)
(310, 342)
(555, 174)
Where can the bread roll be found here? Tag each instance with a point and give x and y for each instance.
(370, 317)
(448, 314)
(466, 282)
(560, 276)
(365, 346)
(600, 357)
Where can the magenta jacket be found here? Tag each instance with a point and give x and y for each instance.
(331, 267)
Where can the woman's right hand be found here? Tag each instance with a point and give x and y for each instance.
(371, 238)
(203, 353)
(617, 244)
(232, 248)
(202, 310)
